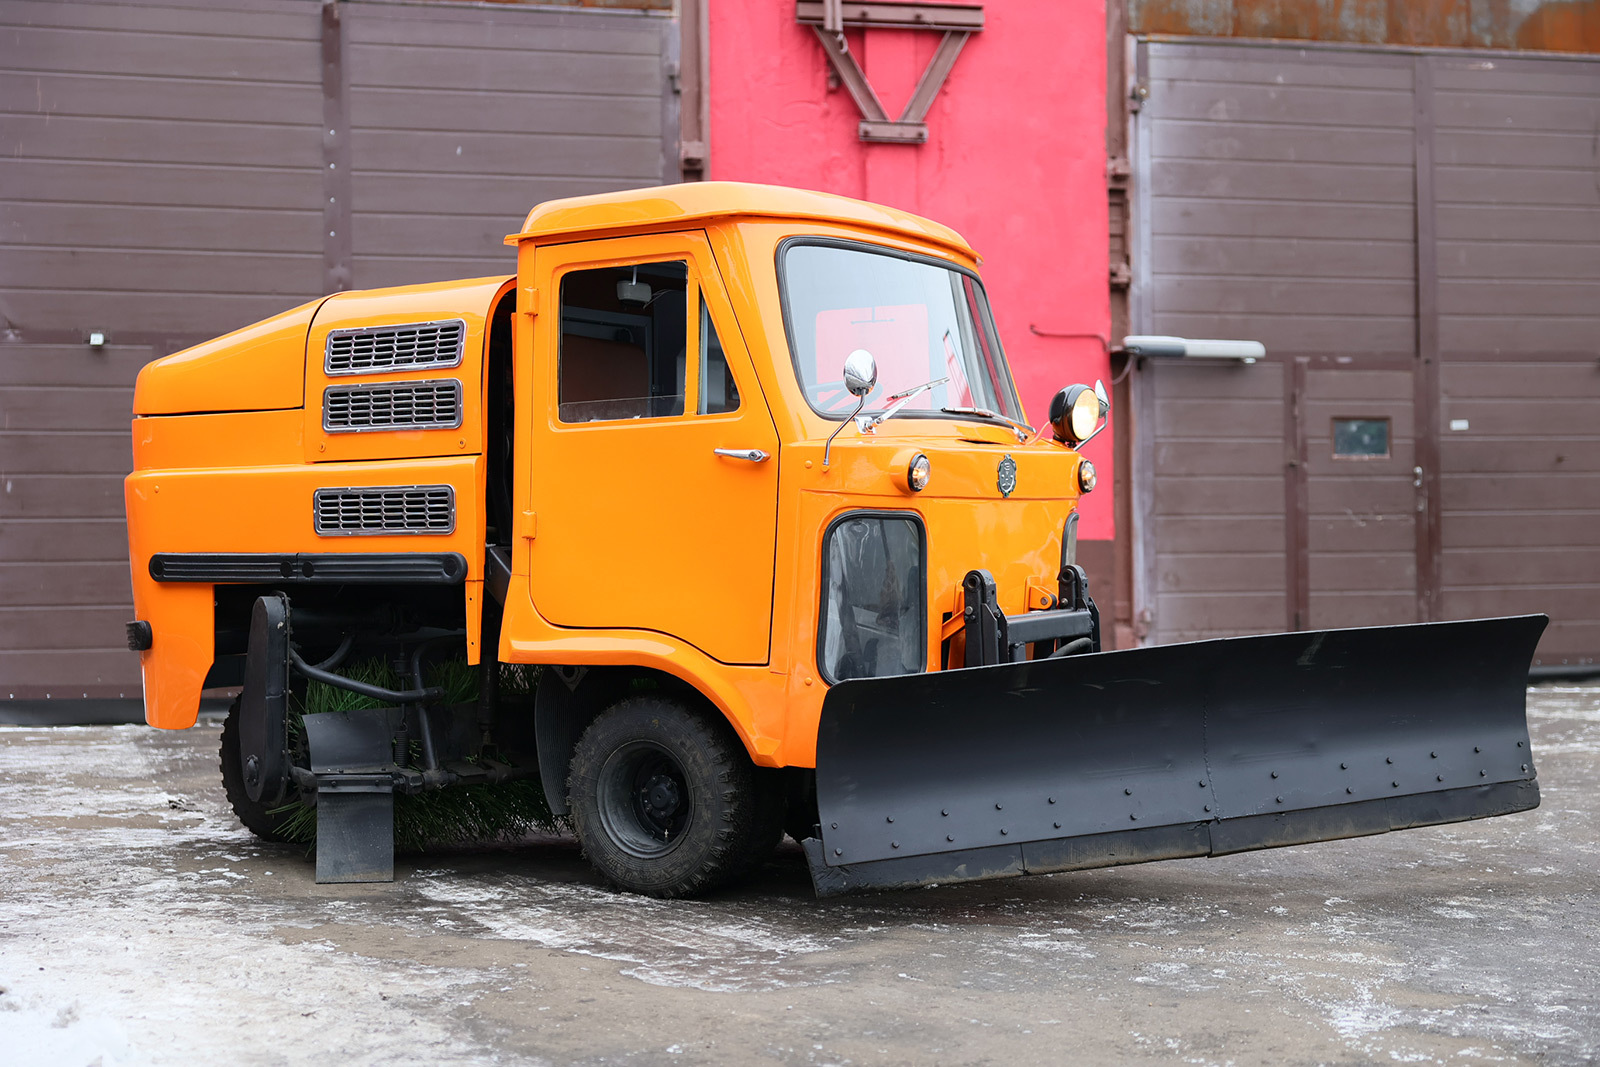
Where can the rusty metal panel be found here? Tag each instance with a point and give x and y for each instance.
(1551, 25)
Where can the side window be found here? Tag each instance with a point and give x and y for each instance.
(718, 393)
(624, 333)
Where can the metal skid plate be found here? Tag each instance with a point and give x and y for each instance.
(1177, 750)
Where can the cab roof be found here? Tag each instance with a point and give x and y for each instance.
(694, 202)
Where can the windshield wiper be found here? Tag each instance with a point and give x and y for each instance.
(868, 423)
(1021, 429)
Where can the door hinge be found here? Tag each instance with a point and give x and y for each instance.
(530, 525)
(528, 300)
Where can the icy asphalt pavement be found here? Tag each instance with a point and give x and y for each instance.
(140, 924)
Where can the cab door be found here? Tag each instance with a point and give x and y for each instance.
(654, 466)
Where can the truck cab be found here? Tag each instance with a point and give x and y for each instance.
(726, 444)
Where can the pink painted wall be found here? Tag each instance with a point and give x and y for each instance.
(1015, 161)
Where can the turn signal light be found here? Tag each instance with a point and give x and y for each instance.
(918, 472)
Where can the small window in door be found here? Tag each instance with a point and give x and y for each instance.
(624, 333)
(1360, 438)
(718, 393)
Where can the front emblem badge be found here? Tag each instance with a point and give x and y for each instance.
(1007, 479)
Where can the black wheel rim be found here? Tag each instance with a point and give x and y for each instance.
(644, 799)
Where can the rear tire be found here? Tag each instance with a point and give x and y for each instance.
(665, 801)
(256, 816)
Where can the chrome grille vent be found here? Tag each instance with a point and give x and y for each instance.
(385, 509)
(411, 346)
(430, 405)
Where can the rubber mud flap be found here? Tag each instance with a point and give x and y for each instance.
(1194, 749)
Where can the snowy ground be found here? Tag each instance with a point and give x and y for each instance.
(140, 924)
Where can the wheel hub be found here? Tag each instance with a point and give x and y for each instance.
(661, 796)
(644, 799)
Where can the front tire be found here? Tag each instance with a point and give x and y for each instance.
(256, 816)
(665, 801)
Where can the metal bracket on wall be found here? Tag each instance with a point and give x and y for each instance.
(830, 18)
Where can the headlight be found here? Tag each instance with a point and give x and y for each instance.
(1087, 476)
(1076, 411)
(918, 472)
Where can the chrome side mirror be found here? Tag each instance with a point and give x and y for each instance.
(860, 372)
(860, 377)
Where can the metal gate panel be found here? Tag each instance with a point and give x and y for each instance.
(1518, 206)
(1218, 509)
(1277, 193)
(1274, 201)
(1361, 510)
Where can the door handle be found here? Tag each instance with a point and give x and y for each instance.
(753, 455)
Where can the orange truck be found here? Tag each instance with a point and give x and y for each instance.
(741, 471)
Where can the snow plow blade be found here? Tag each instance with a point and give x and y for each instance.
(1199, 749)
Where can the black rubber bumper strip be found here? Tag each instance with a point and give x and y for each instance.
(431, 568)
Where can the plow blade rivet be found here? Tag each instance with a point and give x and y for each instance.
(835, 826)
(1051, 799)
(894, 844)
(1438, 777)
(1058, 826)
(1004, 831)
(1280, 800)
(999, 807)
(1135, 818)
(838, 852)
(1483, 774)
(1274, 774)
(1127, 792)
(891, 818)
(1524, 768)
(1208, 808)
(1344, 766)
(1475, 748)
(1433, 755)
(1388, 759)
(1395, 784)
(1202, 785)
(951, 837)
(1519, 744)
(1347, 789)
(944, 811)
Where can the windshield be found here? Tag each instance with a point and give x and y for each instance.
(920, 320)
